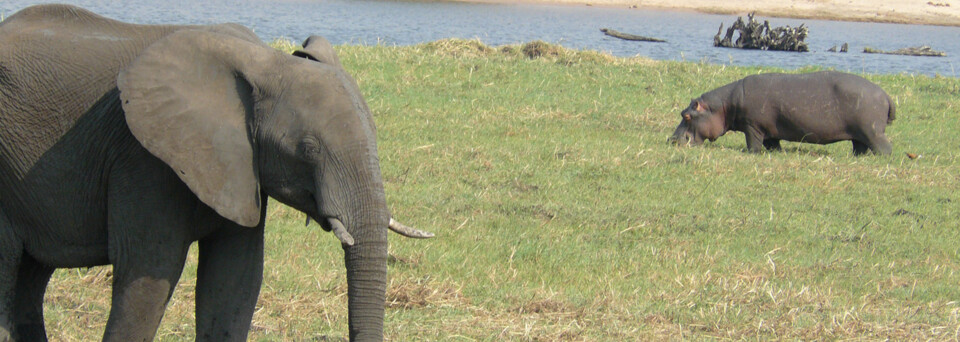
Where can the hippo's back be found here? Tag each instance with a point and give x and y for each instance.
(825, 94)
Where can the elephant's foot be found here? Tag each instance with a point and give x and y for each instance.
(137, 308)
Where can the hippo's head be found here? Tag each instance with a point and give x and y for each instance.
(702, 120)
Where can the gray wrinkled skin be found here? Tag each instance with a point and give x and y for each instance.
(122, 144)
(821, 108)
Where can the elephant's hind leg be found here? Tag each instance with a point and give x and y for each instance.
(229, 274)
(32, 280)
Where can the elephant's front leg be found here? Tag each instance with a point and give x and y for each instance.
(152, 218)
(150, 227)
(11, 251)
(229, 274)
(142, 286)
(32, 280)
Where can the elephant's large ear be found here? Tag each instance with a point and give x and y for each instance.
(188, 101)
(319, 49)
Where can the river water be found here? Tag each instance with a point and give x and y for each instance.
(689, 34)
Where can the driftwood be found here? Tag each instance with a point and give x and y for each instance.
(843, 48)
(754, 35)
(924, 50)
(627, 36)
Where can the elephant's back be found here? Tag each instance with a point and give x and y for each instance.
(54, 12)
(53, 20)
(62, 46)
(57, 62)
(64, 27)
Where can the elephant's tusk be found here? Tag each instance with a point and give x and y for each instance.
(408, 231)
(340, 231)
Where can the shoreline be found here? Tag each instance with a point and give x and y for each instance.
(916, 12)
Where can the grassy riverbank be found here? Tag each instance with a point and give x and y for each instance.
(562, 214)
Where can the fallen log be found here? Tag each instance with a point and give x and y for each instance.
(627, 36)
(922, 51)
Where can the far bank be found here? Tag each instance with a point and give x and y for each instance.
(934, 12)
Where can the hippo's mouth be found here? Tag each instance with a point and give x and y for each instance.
(686, 138)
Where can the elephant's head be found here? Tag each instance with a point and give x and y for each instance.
(234, 117)
(702, 120)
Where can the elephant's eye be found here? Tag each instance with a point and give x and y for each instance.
(309, 148)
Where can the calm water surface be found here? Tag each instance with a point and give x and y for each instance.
(689, 34)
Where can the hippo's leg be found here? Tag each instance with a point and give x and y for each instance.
(772, 144)
(880, 145)
(754, 140)
(859, 148)
(877, 144)
(872, 138)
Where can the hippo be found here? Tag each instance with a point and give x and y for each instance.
(821, 107)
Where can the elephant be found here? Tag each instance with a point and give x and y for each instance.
(122, 144)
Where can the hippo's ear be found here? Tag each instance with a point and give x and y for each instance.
(702, 106)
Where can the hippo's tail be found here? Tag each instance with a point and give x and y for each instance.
(892, 112)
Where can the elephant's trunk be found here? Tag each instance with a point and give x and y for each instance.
(366, 263)
(355, 197)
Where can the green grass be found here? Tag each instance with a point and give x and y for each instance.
(563, 214)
